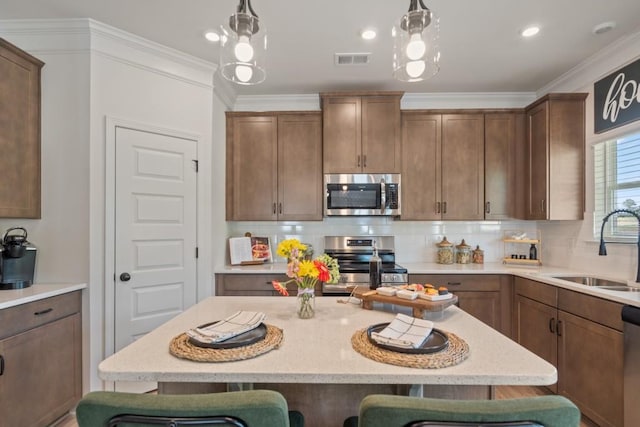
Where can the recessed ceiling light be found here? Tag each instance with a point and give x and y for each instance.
(368, 34)
(212, 36)
(530, 31)
(604, 27)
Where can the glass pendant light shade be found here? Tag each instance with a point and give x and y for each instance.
(243, 47)
(416, 54)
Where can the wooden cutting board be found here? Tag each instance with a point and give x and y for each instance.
(418, 305)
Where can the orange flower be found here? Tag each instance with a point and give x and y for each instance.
(323, 271)
(282, 290)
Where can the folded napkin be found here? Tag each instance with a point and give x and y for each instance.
(234, 325)
(404, 332)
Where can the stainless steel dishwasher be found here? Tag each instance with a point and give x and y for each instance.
(631, 319)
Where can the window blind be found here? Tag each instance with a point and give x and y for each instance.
(617, 186)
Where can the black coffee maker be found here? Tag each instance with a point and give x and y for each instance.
(17, 260)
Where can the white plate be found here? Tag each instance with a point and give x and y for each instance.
(435, 297)
(387, 291)
(404, 294)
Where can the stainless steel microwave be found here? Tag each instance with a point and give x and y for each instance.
(362, 194)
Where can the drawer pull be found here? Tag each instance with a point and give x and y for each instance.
(454, 283)
(559, 328)
(1, 365)
(40, 313)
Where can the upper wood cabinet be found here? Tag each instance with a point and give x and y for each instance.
(555, 126)
(442, 166)
(503, 137)
(361, 133)
(19, 133)
(273, 166)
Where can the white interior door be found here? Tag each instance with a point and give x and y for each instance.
(155, 230)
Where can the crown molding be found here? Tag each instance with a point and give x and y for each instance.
(451, 100)
(304, 102)
(224, 91)
(64, 36)
(619, 53)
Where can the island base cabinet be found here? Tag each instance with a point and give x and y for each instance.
(326, 405)
(40, 378)
(590, 365)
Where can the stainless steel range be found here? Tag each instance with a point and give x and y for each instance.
(353, 254)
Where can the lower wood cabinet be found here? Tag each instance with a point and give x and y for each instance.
(254, 285)
(582, 336)
(486, 297)
(40, 360)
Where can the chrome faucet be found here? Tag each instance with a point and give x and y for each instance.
(603, 248)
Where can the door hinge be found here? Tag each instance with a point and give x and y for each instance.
(195, 162)
(196, 252)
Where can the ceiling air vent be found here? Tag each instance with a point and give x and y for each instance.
(352, 58)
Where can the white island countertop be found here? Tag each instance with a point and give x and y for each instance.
(318, 350)
(13, 297)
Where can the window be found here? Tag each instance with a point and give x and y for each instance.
(617, 186)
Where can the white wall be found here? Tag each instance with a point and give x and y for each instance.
(92, 72)
(572, 243)
(61, 235)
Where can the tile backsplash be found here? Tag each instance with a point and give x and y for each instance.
(415, 241)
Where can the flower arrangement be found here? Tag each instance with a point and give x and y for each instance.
(305, 273)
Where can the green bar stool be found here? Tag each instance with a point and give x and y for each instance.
(251, 408)
(404, 411)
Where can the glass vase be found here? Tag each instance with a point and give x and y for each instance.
(306, 303)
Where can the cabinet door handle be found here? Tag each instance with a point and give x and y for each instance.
(542, 206)
(438, 207)
(488, 208)
(358, 160)
(552, 325)
(40, 313)
(559, 328)
(444, 207)
(274, 208)
(364, 161)
(280, 208)
(1, 364)
(454, 283)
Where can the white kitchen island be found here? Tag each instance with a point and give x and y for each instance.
(316, 367)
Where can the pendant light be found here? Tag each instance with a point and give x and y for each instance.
(243, 46)
(416, 55)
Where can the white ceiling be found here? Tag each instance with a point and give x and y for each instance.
(481, 48)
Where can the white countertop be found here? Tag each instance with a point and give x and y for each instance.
(543, 274)
(13, 297)
(319, 350)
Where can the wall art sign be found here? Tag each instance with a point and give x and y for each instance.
(617, 98)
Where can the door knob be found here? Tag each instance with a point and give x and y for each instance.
(125, 277)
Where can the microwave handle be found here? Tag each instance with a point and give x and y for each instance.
(383, 195)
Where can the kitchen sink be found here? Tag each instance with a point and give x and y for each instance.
(604, 284)
(620, 288)
(592, 281)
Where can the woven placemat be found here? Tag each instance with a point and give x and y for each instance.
(182, 348)
(456, 352)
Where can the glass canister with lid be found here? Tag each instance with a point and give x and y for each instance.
(445, 251)
(463, 253)
(478, 255)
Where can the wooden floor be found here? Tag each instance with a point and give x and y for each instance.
(502, 392)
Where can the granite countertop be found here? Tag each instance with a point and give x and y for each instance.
(543, 274)
(318, 350)
(11, 298)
